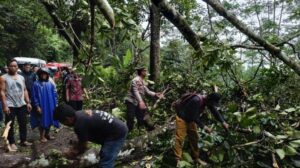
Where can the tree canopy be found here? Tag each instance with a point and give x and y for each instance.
(249, 49)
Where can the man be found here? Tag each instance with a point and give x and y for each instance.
(189, 116)
(95, 126)
(3, 71)
(29, 77)
(15, 102)
(67, 74)
(74, 92)
(136, 106)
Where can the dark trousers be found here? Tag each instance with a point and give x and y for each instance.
(143, 118)
(21, 114)
(77, 105)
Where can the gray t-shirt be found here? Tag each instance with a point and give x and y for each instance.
(14, 90)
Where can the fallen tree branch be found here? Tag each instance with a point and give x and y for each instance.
(58, 23)
(178, 20)
(274, 50)
(163, 97)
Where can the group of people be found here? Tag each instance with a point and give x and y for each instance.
(31, 91)
(95, 125)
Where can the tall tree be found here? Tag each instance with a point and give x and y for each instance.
(155, 42)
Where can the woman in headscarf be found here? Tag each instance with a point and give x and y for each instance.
(44, 99)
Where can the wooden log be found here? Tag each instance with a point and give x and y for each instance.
(5, 135)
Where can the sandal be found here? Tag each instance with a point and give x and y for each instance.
(48, 137)
(43, 140)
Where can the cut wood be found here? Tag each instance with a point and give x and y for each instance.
(6, 130)
(5, 135)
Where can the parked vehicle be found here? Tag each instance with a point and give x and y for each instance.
(33, 61)
(57, 69)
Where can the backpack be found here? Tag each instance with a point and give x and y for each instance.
(178, 104)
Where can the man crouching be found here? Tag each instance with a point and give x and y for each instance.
(95, 126)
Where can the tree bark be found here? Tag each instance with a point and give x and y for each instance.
(155, 42)
(92, 40)
(178, 20)
(275, 51)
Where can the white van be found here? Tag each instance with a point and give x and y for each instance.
(33, 61)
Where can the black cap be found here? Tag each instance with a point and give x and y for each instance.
(140, 68)
(214, 99)
(43, 70)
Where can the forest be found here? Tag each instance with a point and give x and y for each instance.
(249, 49)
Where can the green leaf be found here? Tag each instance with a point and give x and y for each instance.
(256, 129)
(289, 150)
(277, 107)
(283, 113)
(295, 143)
(221, 155)
(290, 110)
(280, 153)
(184, 163)
(238, 116)
(251, 110)
(281, 137)
(117, 112)
(127, 58)
(187, 157)
(268, 134)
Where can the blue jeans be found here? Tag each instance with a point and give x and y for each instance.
(109, 152)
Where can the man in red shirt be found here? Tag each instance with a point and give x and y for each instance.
(74, 92)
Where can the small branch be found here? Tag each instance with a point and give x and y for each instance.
(247, 144)
(163, 97)
(143, 36)
(275, 164)
(287, 39)
(251, 47)
(260, 64)
(144, 49)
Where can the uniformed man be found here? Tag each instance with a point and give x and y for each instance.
(136, 106)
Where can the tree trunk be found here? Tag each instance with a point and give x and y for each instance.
(275, 51)
(178, 20)
(155, 42)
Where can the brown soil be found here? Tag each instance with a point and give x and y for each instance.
(24, 155)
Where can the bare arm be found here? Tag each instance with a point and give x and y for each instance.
(26, 97)
(68, 91)
(2, 93)
(149, 92)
